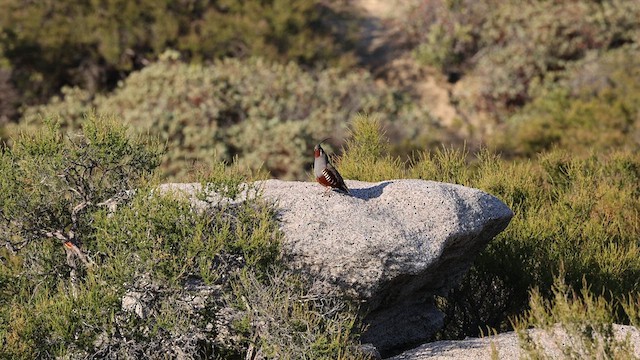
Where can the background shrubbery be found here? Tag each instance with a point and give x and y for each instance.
(510, 46)
(264, 113)
(45, 45)
(593, 106)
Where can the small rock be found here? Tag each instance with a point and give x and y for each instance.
(131, 303)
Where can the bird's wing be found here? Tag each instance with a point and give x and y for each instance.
(340, 181)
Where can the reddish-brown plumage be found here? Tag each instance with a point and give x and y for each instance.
(325, 173)
(323, 181)
(331, 178)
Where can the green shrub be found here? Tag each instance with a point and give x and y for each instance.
(510, 46)
(593, 107)
(264, 113)
(574, 325)
(51, 188)
(447, 32)
(367, 157)
(580, 213)
(52, 185)
(94, 44)
(92, 195)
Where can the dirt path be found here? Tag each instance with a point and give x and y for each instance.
(382, 36)
(386, 50)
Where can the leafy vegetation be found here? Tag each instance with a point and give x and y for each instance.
(511, 46)
(97, 260)
(368, 153)
(134, 257)
(593, 106)
(573, 326)
(265, 114)
(581, 214)
(94, 44)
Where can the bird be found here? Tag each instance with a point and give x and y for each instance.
(325, 173)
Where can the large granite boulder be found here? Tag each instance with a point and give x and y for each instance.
(392, 245)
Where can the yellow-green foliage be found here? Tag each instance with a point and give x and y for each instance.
(580, 212)
(574, 326)
(53, 183)
(367, 157)
(445, 165)
(154, 243)
(631, 306)
(266, 114)
(595, 106)
(41, 322)
(159, 237)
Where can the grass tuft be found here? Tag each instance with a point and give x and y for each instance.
(572, 325)
(367, 153)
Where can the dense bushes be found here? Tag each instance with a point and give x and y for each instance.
(561, 78)
(145, 274)
(580, 214)
(509, 46)
(593, 106)
(548, 74)
(571, 212)
(93, 44)
(578, 325)
(573, 215)
(264, 113)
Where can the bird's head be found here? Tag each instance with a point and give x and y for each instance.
(318, 150)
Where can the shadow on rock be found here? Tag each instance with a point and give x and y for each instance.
(370, 192)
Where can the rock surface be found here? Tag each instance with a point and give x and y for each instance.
(392, 245)
(506, 346)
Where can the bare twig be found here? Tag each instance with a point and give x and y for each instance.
(112, 203)
(70, 245)
(77, 209)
